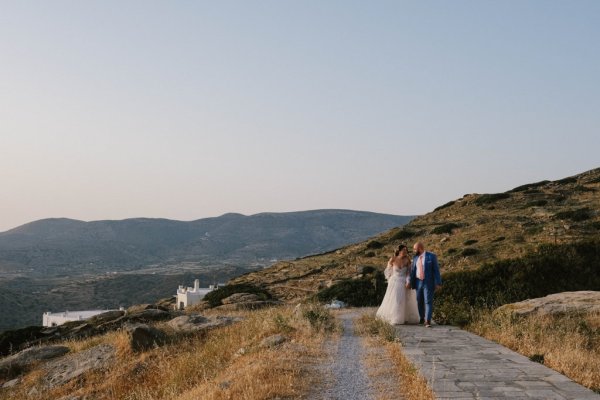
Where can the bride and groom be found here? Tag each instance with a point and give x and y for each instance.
(411, 285)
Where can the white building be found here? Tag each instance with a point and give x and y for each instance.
(189, 296)
(55, 319)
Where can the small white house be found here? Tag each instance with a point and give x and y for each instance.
(189, 296)
(59, 318)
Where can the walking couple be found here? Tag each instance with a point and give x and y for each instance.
(411, 285)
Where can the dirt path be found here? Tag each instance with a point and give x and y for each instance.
(347, 375)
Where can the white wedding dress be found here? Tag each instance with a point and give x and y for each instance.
(399, 305)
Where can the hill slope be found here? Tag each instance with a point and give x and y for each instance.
(55, 246)
(465, 233)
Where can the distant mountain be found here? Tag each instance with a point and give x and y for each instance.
(465, 233)
(57, 245)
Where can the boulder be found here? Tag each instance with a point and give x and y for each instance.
(196, 323)
(11, 383)
(149, 315)
(142, 307)
(18, 339)
(240, 298)
(24, 360)
(105, 317)
(144, 337)
(62, 370)
(250, 305)
(558, 303)
(273, 341)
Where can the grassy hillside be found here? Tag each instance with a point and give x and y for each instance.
(465, 233)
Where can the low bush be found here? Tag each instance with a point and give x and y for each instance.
(374, 244)
(370, 325)
(491, 198)
(566, 180)
(367, 291)
(583, 189)
(523, 188)
(448, 204)
(537, 203)
(403, 234)
(551, 269)
(445, 228)
(470, 242)
(319, 318)
(498, 239)
(370, 254)
(214, 298)
(451, 251)
(578, 215)
(469, 251)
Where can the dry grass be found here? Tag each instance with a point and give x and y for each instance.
(413, 385)
(569, 344)
(226, 363)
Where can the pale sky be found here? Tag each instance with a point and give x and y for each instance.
(190, 109)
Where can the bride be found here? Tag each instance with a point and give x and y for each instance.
(399, 304)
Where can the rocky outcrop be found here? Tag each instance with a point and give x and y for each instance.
(63, 370)
(244, 301)
(273, 341)
(24, 360)
(144, 337)
(197, 323)
(11, 341)
(558, 303)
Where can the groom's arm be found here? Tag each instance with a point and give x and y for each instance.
(436, 272)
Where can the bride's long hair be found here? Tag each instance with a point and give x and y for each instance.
(399, 250)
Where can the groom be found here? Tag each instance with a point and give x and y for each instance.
(425, 278)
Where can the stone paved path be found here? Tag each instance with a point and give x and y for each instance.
(461, 365)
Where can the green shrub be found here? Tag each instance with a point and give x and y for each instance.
(403, 234)
(445, 228)
(595, 225)
(469, 251)
(551, 269)
(491, 198)
(498, 239)
(374, 244)
(537, 203)
(370, 254)
(583, 189)
(364, 292)
(448, 204)
(367, 269)
(470, 242)
(529, 186)
(283, 324)
(451, 251)
(319, 317)
(578, 215)
(566, 180)
(214, 298)
(534, 230)
(595, 180)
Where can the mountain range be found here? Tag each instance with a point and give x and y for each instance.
(58, 245)
(58, 264)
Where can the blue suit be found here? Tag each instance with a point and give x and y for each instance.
(426, 287)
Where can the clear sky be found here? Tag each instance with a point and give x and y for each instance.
(190, 109)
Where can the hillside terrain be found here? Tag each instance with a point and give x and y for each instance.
(465, 234)
(63, 264)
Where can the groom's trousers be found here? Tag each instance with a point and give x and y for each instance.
(424, 300)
